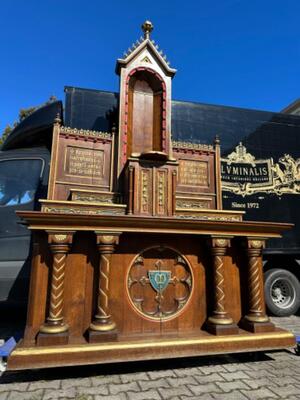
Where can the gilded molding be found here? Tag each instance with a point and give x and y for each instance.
(192, 146)
(210, 218)
(84, 210)
(86, 133)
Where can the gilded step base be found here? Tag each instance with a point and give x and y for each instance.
(54, 356)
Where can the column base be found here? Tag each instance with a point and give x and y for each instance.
(52, 339)
(257, 326)
(221, 329)
(102, 336)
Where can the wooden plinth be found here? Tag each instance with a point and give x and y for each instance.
(54, 356)
(102, 336)
(48, 339)
(257, 327)
(230, 329)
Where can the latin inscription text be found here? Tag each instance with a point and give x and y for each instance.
(193, 173)
(84, 162)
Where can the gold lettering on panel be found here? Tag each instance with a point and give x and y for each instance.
(193, 173)
(84, 162)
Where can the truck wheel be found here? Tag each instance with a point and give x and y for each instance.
(282, 292)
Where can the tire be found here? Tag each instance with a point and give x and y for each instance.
(282, 292)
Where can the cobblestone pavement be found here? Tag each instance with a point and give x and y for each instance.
(266, 375)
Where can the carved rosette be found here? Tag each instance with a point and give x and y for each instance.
(60, 244)
(220, 315)
(256, 311)
(159, 283)
(106, 243)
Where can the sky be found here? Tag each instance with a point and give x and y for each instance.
(238, 53)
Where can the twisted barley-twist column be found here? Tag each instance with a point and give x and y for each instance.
(256, 299)
(220, 314)
(60, 246)
(102, 320)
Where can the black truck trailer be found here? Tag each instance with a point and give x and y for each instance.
(260, 175)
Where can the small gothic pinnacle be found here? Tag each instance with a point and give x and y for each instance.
(217, 140)
(147, 28)
(57, 119)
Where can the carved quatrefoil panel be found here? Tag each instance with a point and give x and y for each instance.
(159, 283)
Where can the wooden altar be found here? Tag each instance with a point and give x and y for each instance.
(133, 256)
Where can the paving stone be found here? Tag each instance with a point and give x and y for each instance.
(154, 384)
(282, 372)
(236, 367)
(292, 398)
(34, 395)
(234, 395)
(81, 397)
(288, 390)
(201, 389)
(68, 393)
(262, 393)
(92, 390)
(102, 380)
(123, 387)
(67, 383)
(259, 374)
(55, 384)
(262, 365)
(259, 382)
(212, 368)
(149, 395)
(161, 374)
(185, 380)
(283, 381)
(229, 386)
(214, 377)
(230, 376)
(172, 392)
(139, 376)
(20, 387)
(205, 396)
(188, 371)
(120, 396)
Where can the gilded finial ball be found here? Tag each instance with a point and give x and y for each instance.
(147, 28)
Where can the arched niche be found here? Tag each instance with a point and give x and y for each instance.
(145, 112)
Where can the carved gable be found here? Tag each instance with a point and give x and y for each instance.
(145, 100)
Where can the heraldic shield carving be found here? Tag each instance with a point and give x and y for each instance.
(159, 283)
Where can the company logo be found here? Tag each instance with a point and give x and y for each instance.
(242, 174)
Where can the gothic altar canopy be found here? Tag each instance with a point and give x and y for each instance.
(133, 256)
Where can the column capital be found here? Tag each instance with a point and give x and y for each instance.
(219, 241)
(60, 237)
(255, 242)
(107, 238)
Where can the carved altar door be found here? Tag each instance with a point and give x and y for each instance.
(159, 283)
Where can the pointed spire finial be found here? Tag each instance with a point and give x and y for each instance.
(147, 28)
(217, 140)
(57, 119)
